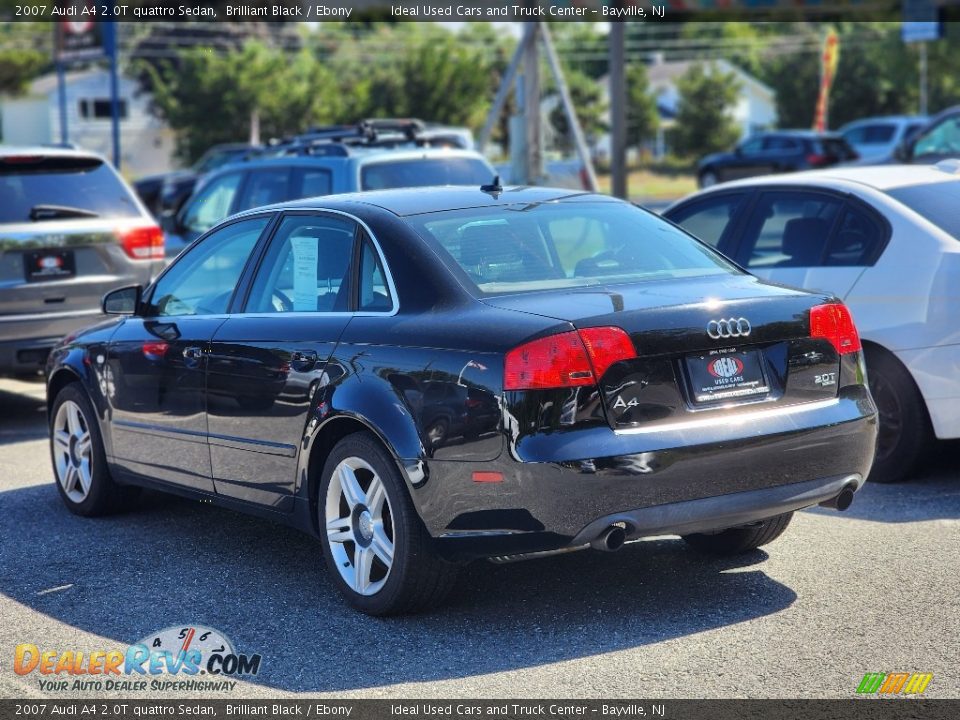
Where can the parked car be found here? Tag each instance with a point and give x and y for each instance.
(938, 140)
(875, 139)
(886, 240)
(241, 186)
(165, 193)
(774, 152)
(70, 229)
(627, 405)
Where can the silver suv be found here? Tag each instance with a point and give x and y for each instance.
(70, 230)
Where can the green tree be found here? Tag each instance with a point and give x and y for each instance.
(704, 124)
(19, 67)
(588, 104)
(642, 116)
(209, 98)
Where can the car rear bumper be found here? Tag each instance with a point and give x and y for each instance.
(25, 340)
(717, 477)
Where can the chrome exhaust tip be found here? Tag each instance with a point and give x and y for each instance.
(610, 540)
(841, 502)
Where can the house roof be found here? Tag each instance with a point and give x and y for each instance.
(668, 72)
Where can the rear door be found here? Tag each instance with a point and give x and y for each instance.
(268, 363)
(157, 360)
(811, 239)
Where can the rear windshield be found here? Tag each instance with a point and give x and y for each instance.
(424, 172)
(519, 248)
(939, 203)
(86, 184)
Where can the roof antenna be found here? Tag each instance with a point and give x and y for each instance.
(494, 189)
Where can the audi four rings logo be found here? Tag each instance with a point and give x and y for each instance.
(728, 328)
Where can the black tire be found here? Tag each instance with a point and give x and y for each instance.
(904, 426)
(418, 578)
(104, 496)
(734, 541)
(708, 178)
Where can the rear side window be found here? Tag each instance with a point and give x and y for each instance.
(424, 172)
(780, 144)
(84, 184)
(857, 239)
(878, 134)
(790, 229)
(309, 182)
(708, 218)
(937, 202)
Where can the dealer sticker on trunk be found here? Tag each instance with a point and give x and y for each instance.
(727, 373)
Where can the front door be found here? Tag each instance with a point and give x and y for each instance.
(267, 363)
(157, 361)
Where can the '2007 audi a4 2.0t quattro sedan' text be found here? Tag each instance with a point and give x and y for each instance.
(425, 377)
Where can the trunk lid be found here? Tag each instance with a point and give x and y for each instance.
(703, 345)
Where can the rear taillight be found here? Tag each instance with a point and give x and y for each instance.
(142, 243)
(569, 359)
(834, 323)
(816, 159)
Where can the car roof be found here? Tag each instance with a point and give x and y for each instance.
(47, 151)
(417, 201)
(797, 134)
(878, 177)
(361, 156)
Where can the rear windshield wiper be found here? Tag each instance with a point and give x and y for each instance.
(52, 212)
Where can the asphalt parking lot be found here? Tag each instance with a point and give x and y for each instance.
(875, 589)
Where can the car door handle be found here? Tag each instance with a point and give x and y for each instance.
(192, 355)
(303, 360)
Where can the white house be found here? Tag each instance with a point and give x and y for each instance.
(755, 108)
(146, 143)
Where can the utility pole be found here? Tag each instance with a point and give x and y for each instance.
(526, 128)
(531, 104)
(618, 110)
(923, 77)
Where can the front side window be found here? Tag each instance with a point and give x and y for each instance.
(306, 267)
(753, 146)
(202, 281)
(790, 229)
(265, 187)
(708, 219)
(212, 204)
(942, 139)
(518, 248)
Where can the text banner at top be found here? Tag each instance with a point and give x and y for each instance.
(78, 11)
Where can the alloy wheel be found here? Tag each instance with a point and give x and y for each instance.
(73, 451)
(359, 526)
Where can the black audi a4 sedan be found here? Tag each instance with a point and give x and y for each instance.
(425, 377)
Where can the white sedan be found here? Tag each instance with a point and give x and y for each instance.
(886, 240)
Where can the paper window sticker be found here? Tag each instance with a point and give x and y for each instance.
(305, 255)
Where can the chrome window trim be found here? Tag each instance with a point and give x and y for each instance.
(294, 212)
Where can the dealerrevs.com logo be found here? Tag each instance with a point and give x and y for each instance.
(185, 657)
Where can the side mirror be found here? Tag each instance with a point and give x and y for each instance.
(122, 301)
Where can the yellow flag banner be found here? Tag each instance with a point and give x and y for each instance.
(828, 69)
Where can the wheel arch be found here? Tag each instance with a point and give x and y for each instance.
(62, 376)
(871, 347)
(322, 442)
